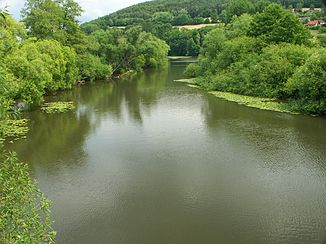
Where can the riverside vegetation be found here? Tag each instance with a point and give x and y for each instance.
(261, 51)
(269, 55)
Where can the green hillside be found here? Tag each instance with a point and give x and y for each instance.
(178, 12)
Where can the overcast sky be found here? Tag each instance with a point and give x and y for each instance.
(92, 8)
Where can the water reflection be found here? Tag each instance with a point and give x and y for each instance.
(147, 160)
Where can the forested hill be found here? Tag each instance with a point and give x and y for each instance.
(179, 12)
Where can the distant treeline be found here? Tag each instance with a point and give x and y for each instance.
(179, 12)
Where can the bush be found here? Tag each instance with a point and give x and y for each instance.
(24, 211)
(307, 87)
(91, 68)
(39, 67)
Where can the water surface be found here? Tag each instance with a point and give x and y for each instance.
(147, 160)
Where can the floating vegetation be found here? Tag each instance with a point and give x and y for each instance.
(254, 102)
(58, 107)
(194, 86)
(14, 129)
(188, 81)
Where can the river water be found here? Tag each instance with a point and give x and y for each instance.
(150, 161)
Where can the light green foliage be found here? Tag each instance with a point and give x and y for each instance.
(254, 102)
(236, 50)
(9, 31)
(188, 81)
(58, 107)
(13, 129)
(24, 210)
(91, 68)
(213, 43)
(192, 70)
(40, 67)
(239, 26)
(152, 49)
(56, 20)
(276, 25)
(53, 19)
(130, 49)
(308, 85)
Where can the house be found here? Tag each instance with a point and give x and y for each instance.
(315, 23)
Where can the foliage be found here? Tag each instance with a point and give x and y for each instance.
(58, 107)
(152, 50)
(276, 25)
(53, 19)
(265, 65)
(92, 68)
(130, 49)
(39, 67)
(186, 11)
(307, 87)
(254, 102)
(24, 210)
(239, 26)
(13, 129)
(233, 8)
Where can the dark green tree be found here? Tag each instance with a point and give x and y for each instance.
(276, 25)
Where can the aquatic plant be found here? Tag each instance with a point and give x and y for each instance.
(254, 102)
(189, 81)
(58, 107)
(13, 129)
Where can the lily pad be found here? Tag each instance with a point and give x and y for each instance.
(58, 107)
(254, 102)
(14, 129)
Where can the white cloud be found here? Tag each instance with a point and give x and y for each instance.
(92, 8)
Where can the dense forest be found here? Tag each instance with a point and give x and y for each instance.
(163, 15)
(189, 11)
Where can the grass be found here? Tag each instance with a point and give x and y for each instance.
(58, 107)
(194, 27)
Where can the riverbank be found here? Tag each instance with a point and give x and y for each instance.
(249, 101)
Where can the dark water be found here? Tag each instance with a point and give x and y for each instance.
(151, 161)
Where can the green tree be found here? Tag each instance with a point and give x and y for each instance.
(182, 17)
(236, 8)
(307, 87)
(239, 26)
(276, 25)
(162, 17)
(44, 20)
(152, 49)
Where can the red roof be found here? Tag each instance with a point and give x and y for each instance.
(314, 22)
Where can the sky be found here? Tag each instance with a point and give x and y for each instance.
(92, 8)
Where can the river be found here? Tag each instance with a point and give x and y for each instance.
(147, 160)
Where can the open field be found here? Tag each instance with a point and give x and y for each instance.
(194, 27)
